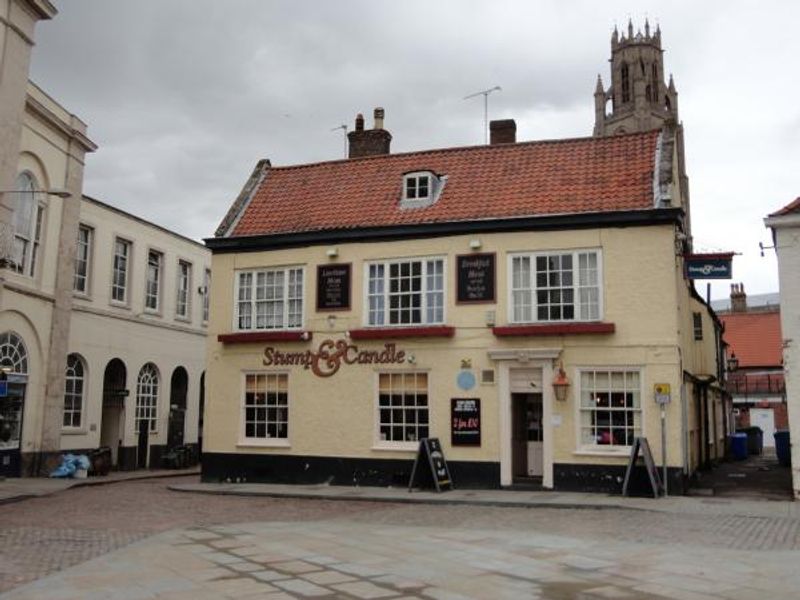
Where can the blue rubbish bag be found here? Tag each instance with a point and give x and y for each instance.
(70, 463)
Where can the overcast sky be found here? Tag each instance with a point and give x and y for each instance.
(184, 96)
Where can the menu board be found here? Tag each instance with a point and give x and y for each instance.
(333, 287)
(430, 461)
(475, 278)
(465, 421)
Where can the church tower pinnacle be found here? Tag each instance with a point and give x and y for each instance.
(638, 97)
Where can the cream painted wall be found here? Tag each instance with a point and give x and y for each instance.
(103, 329)
(336, 416)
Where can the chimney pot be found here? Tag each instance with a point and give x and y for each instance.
(359, 122)
(503, 132)
(738, 298)
(379, 113)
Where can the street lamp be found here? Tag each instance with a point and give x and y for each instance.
(560, 384)
(733, 363)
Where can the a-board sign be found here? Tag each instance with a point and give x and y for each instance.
(475, 277)
(430, 466)
(465, 421)
(333, 287)
(640, 445)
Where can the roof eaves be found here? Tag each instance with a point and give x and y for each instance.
(235, 212)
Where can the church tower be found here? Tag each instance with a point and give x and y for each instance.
(639, 99)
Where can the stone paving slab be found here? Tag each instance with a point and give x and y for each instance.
(311, 560)
(519, 499)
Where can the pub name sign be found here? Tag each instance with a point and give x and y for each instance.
(331, 355)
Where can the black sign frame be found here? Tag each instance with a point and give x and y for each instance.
(465, 424)
(488, 279)
(345, 290)
(430, 458)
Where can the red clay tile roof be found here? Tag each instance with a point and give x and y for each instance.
(755, 338)
(792, 207)
(582, 175)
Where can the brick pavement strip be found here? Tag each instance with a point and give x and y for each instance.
(291, 547)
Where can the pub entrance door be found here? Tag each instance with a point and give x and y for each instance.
(527, 436)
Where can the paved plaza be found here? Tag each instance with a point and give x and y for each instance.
(141, 540)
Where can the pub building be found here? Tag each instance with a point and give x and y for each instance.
(526, 303)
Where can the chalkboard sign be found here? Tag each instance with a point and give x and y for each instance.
(475, 278)
(641, 444)
(333, 287)
(431, 466)
(465, 421)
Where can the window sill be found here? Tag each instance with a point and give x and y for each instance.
(621, 452)
(378, 333)
(119, 304)
(250, 337)
(581, 328)
(265, 443)
(82, 296)
(397, 446)
(73, 431)
(183, 319)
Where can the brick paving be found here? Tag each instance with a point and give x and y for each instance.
(317, 548)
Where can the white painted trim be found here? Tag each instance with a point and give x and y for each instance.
(377, 442)
(254, 271)
(242, 440)
(525, 358)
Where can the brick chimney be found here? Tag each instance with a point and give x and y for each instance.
(738, 298)
(502, 132)
(371, 142)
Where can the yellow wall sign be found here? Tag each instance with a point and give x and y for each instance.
(662, 393)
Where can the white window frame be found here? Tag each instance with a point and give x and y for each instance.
(127, 272)
(410, 195)
(31, 238)
(285, 298)
(606, 449)
(532, 256)
(183, 285)
(282, 442)
(71, 381)
(146, 407)
(384, 444)
(206, 294)
(148, 281)
(89, 247)
(385, 293)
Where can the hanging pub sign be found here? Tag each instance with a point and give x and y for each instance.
(475, 278)
(465, 421)
(333, 287)
(331, 355)
(717, 265)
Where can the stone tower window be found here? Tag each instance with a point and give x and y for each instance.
(626, 83)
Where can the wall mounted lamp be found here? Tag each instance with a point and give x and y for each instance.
(733, 363)
(560, 384)
(332, 252)
(475, 244)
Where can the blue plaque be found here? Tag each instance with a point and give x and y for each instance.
(466, 380)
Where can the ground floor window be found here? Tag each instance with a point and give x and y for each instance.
(73, 393)
(403, 407)
(610, 411)
(266, 406)
(147, 397)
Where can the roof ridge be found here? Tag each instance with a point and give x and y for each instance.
(486, 147)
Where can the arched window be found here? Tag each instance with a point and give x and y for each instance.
(27, 223)
(13, 353)
(626, 83)
(73, 394)
(147, 397)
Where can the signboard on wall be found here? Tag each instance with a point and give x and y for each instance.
(333, 287)
(475, 277)
(465, 421)
(709, 266)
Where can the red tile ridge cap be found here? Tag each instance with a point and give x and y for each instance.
(487, 147)
(793, 206)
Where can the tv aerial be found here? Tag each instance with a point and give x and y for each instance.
(485, 94)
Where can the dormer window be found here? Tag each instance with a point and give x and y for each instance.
(420, 189)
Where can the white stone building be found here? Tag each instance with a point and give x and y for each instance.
(102, 314)
(785, 225)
